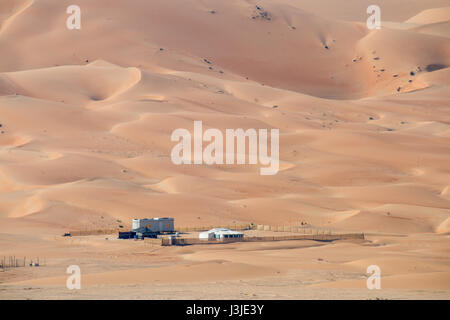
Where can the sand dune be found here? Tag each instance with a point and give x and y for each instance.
(10, 9)
(429, 16)
(86, 118)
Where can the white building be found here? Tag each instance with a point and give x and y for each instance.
(153, 225)
(220, 234)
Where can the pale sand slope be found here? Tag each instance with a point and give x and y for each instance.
(365, 125)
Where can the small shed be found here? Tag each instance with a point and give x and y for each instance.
(127, 235)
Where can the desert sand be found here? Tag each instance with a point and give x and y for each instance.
(364, 117)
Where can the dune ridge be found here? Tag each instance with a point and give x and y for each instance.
(86, 118)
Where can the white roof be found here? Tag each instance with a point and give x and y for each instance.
(153, 219)
(223, 231)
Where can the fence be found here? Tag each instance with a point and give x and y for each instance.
(93, 232)
(239, 227)
(14, 262)
(314, 237)
(306, 229)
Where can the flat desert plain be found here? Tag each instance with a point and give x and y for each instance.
(363, 115)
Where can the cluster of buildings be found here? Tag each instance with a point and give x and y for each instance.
(151, 228)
